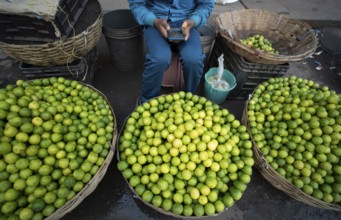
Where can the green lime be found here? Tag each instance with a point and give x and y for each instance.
(147, 196)
(167, 204)
(177, 209)
(157, 201)
(228, 200)
(209, 209)
(26, 213)
(38, 205)
(11, 195)
(198, 210)
(9, 207)
(5, 148)
(50, 197)
(48, 210)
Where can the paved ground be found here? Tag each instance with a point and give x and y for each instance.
(112, 199)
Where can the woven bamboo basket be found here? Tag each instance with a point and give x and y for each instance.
(59, 52)
(295, 40)
(278, 181)
(95, 180)
(160, 210)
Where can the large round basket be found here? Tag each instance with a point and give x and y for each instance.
(295, 40)
(279, 182)
(59, 52)
(137, 196)
(95, 180)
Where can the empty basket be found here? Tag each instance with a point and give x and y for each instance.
(63, 51)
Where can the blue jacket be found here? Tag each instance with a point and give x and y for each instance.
(146, 11)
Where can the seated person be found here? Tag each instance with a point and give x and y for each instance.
(157, 17)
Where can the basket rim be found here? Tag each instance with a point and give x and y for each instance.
(59, 52)
(276, 58)
(98, 21)
(270, 173)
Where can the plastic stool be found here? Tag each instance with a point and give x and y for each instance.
(173, 76)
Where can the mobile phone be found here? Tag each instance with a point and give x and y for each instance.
(175, 34)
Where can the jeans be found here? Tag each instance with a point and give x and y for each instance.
(158, 58)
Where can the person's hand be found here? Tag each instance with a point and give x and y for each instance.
(162, 26)
(186, 27)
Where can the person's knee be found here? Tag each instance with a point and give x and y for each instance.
(193, 60)
(161, 60)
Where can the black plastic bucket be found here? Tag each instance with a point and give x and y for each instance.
(124, 38)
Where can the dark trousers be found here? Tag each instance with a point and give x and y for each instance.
(158, 58)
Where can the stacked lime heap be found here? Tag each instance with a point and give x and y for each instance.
(184, 155)
(55, 135)
(296, 124)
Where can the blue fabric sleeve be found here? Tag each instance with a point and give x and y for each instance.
(202, 12)
(143, 10)
(141, 13)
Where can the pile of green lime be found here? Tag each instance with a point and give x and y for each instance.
(296, 124)
(54, 136)
(259, 42)
(184, 155)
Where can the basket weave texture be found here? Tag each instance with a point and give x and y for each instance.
(59, 52)
(278, 181)
(95, 180)
(295, 40)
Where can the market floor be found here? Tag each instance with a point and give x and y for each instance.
(113, 199)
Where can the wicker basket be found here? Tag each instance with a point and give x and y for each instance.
(95, 180)
(59, 52)
(160, 210)
(295, 40)
(40, 21)
(279, 182)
